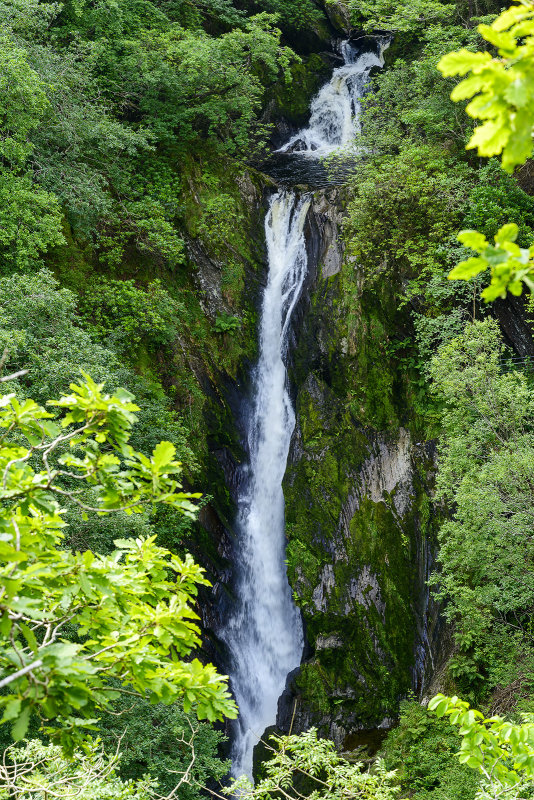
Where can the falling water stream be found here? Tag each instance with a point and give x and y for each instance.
(264, 632)
(335, 110)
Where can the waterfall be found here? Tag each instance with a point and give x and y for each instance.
(263, 633)
(335, 110)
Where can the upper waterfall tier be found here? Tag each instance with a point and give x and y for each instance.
(335, 110)
(334, 122)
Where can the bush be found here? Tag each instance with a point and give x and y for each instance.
(423, 749)
(125, 315)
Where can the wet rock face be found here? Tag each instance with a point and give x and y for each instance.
(360, 519)
(329, 218)
(365, 602)
(339, 16)
(516, 324)
(251, 190)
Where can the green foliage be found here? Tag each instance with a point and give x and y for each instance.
(217, 223)
(81, 151)
(486, 463)
(143, 222)
(496, 199)
(409, 101)
(422, 113)
(225, 323)
(131, 611)
(299, 14)
(183, 84)
(413, 137)
(444, 311)
(502, 88)
(23, 102)
(503, 752)
(38, 328)
(30, 219)
(491, 204)
(423, 751)
(405, 206)
(222, 12)
(97, 99)
(161, 741)
(39, 770)
(30, 222)
(124, 315)
(400, 16)
(316, 762)
(509, 264)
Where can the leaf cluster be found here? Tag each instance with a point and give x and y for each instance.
(131, 610)
(316, 762)
(503, 752)
(404, 208)
(509, 264)
(35, 770)
(501, 87)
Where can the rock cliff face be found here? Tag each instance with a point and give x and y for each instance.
(359, 513)
(339, 16)
(358, 488)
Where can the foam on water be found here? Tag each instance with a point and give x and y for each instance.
(335, 110)
(264, 634)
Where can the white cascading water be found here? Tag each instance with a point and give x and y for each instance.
(335, 110)
(264, 634)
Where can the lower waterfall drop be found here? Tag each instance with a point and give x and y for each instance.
(264, 633)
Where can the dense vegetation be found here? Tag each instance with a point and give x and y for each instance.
(114, 124)
(483, 399)
(127, 204)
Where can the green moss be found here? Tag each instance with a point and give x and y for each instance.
(370, 667)
(353, 562)
(292, 100)
(313, 684)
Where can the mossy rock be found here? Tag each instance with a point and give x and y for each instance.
(357, 506)
(339, 16)
(292, 100)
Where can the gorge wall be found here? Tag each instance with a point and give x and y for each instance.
(359, 512)
(360, 521)
(359, 515)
